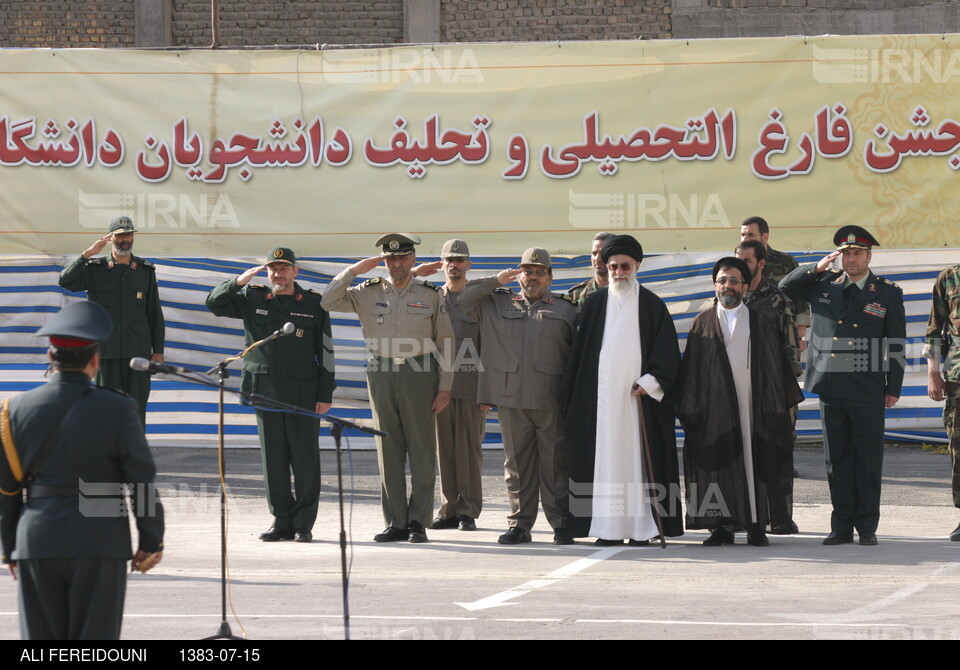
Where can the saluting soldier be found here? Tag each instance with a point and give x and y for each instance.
(942, 351)
(409, 376)
(525, 341)
(72, 447)
(126, 286)
(856, 366)
(296, 370)
(601, 275)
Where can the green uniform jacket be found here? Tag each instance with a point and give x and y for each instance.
(776, 306)
(296, 369)
(100, 448)
(129, 293)
(945, 319)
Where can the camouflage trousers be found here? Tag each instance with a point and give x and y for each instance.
(951, 421)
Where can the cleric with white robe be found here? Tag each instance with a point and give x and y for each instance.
(618, 395)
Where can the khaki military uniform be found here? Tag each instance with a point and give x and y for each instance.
(942, 342)
(296, 370)
(411, 342)
(129, 293)
(523, 354)
(461, 425)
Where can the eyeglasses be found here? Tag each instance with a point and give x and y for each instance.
(534, 272)
(624, 267)
(732, 281)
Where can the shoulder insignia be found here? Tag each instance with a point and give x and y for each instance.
(889, 283)
(569, 298)
(431, 285)
(256, 286)
(502, 289)
(835, 271)
(148, 264)
(95, 260)
(315, 292)
(373, 281)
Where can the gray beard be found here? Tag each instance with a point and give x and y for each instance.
(622, 288)
(729, 300)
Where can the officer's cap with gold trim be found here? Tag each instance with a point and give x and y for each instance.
(121, 225)
(854, 237)
(282, 255)
(79, 324)
(398, 244)
(536, 256)
(455, 249)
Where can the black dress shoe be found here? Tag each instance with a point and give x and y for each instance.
(391, 534)
(719, 537)
(515, 536)
(467, 522)
(640, 543)
(607, 543)
(868, 539)
(443, 524)
(955, 535)
(303, 536)
(835, 538)
(785, 529)
(417, 533)
(560, 536)
(758, 539)
(274, 535)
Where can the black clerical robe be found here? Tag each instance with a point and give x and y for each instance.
(660, 358)
(713, 465)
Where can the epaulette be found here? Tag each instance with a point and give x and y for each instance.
(95, 259)
(430, 284)
(315, 292)
(887, 281)
(373, 281)
(502, 289)
(569, 298)
(148, 264)
(257, 286)
(835, 271)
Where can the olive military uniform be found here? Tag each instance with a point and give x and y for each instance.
(583, 290)
(297, 370)
(404, 332)
(945, 320)
(524, 350)
(849, 369)
(129, 293)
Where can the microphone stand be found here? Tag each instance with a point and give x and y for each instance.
(337, 424)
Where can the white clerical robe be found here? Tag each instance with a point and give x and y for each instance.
(735, 326)
(621, 498)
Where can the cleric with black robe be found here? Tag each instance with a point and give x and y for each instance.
(660, 357)
(718, 493)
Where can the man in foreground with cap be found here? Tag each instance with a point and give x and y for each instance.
(409, 376)
(618, 395)
(461, 425)
(525, 340)
(296, 370)
(73, 447)
(600, 277)
(855, 364)
(126, 286)
(735, 393)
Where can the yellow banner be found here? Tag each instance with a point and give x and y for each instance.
(229, 153)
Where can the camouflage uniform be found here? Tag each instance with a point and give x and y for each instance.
(778, 266)
(945, 315)
(771, 301)
(583, 290)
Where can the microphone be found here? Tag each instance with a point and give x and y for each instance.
(143, 365)
(286, 329)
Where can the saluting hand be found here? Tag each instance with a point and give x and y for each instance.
(95, 248)
(507, 276)
(427, 269)
(827, 261)
(364, 266)
(250, 274)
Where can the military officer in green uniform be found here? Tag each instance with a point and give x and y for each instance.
(525, 339)
(581, 291)
(126, 286)
(855, 364)
(764, 297)
(409, 376)
(942, 351)
(297, 370)
(70, 447)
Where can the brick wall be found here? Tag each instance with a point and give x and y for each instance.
(535, 20)
(106, 23)
(269, 22)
